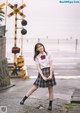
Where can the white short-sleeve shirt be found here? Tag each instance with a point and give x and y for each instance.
(44, 59)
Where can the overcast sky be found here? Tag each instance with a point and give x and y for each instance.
(47, 18)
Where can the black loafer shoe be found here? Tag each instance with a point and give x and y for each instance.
(22, 103)
(50, 108)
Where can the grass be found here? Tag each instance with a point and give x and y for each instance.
(27, 111)
(69, 107)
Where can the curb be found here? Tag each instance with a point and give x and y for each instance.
(4, 88)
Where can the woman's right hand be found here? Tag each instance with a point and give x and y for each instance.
(45, 78)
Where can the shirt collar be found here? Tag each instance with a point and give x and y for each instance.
(42, 53)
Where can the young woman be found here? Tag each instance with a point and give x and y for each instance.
(46, 78)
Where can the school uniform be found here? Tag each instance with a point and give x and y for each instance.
(44, 62)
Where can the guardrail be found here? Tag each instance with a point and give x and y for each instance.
(50, 43)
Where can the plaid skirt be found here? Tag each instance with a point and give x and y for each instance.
(39, 82)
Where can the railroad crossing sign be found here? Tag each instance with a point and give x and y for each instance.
(1, 5)
(16, 10)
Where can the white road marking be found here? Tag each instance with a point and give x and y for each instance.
(61, 77)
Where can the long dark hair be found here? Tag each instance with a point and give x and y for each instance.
(37, 52)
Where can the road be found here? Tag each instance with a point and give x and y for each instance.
(66, 65)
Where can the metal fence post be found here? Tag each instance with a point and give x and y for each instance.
(76, 44)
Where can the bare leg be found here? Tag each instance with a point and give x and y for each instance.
(34, 88)
(50, 89)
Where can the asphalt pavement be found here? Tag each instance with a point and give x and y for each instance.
(38, 101)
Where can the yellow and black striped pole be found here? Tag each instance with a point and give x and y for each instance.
(15, 49)
(15, 34)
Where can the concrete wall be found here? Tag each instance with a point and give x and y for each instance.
(2, 48)
(4, 75)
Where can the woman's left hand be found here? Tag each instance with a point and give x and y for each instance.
(50, 77)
